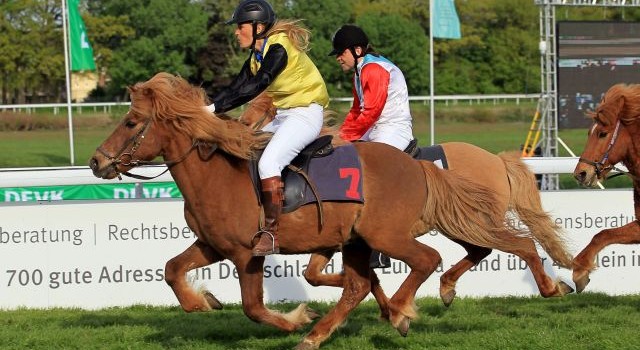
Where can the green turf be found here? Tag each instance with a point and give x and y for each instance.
(585, 321)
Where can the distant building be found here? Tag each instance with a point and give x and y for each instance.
(82, 83)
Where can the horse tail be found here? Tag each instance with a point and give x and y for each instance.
(461, 209)
(525, 201)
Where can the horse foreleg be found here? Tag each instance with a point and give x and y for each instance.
(313, 274)
(250, 274)
(584, 262)
(449, 279)
(175, 272)
(356, 287)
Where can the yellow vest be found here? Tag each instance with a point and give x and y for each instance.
(300, 83)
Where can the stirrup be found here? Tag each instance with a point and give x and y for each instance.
(263, 252)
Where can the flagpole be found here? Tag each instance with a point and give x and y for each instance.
(68, 79)
(431, 98)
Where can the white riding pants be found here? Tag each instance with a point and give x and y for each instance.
(294, 129)
(398, 134)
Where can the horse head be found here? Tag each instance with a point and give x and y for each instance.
(167, 118)
(608, 138)
(133, 141)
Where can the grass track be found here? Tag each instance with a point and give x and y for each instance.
(585, 321)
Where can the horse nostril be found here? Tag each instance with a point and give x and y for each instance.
(93, 163)
(581, 176)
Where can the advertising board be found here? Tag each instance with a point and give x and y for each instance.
(94, 254)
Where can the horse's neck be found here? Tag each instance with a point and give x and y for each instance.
(632, 158)
(632, 162)
(195, 176)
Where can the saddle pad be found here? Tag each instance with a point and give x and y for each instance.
(433, 154)
(337, 177)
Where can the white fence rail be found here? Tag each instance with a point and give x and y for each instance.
(447, 99)
(81, 175)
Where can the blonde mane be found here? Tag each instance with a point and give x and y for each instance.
(173, 100)
(621, 102)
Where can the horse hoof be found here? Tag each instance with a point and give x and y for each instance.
(564, 288)
(213, 302)
(403, 326)
(581, 282)
(447, 298)
(304, 345)
(312, 314)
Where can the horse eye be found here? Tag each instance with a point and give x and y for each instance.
(602, 134)
(130, 124)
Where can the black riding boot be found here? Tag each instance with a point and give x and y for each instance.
(272, 198)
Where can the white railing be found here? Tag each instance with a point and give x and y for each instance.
(81, 175)
(447, 99)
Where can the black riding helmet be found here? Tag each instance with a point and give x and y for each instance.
(348, 37)
(254, 12)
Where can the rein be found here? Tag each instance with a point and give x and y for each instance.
(600, 165)
(126, 158)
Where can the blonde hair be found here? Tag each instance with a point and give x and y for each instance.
(297, 34)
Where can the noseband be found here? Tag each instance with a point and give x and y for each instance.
(600, 165)
(125, 158)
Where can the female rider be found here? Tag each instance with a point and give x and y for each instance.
(279, 65)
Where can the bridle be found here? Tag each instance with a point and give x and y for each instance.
(126, 158)
(600, 166)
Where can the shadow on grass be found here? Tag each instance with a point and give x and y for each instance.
(172, 326)
(230, 328)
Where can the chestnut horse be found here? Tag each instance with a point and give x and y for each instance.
(208, 159)
(613, 138)
(516, 192)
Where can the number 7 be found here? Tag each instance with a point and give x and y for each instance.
(354, 175)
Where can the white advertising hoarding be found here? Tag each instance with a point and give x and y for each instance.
(112, 253)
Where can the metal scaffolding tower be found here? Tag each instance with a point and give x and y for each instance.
(549, 77)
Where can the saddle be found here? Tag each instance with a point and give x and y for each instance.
(294, 176)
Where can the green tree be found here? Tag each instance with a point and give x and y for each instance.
(403, 42)
(31, 54)
(497, 53)
(168, 35)
(106, 33)
(323, 18)
(221, 58)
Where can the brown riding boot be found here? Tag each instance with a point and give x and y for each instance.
(272, 199)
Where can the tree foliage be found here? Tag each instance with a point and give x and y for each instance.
(133, 40)
(31, 58)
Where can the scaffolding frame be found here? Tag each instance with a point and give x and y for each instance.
(549, 76)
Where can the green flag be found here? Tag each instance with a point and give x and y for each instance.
(81, 51)
(445, 20)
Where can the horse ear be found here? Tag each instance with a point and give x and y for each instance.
(147, 92)
(621, 103)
